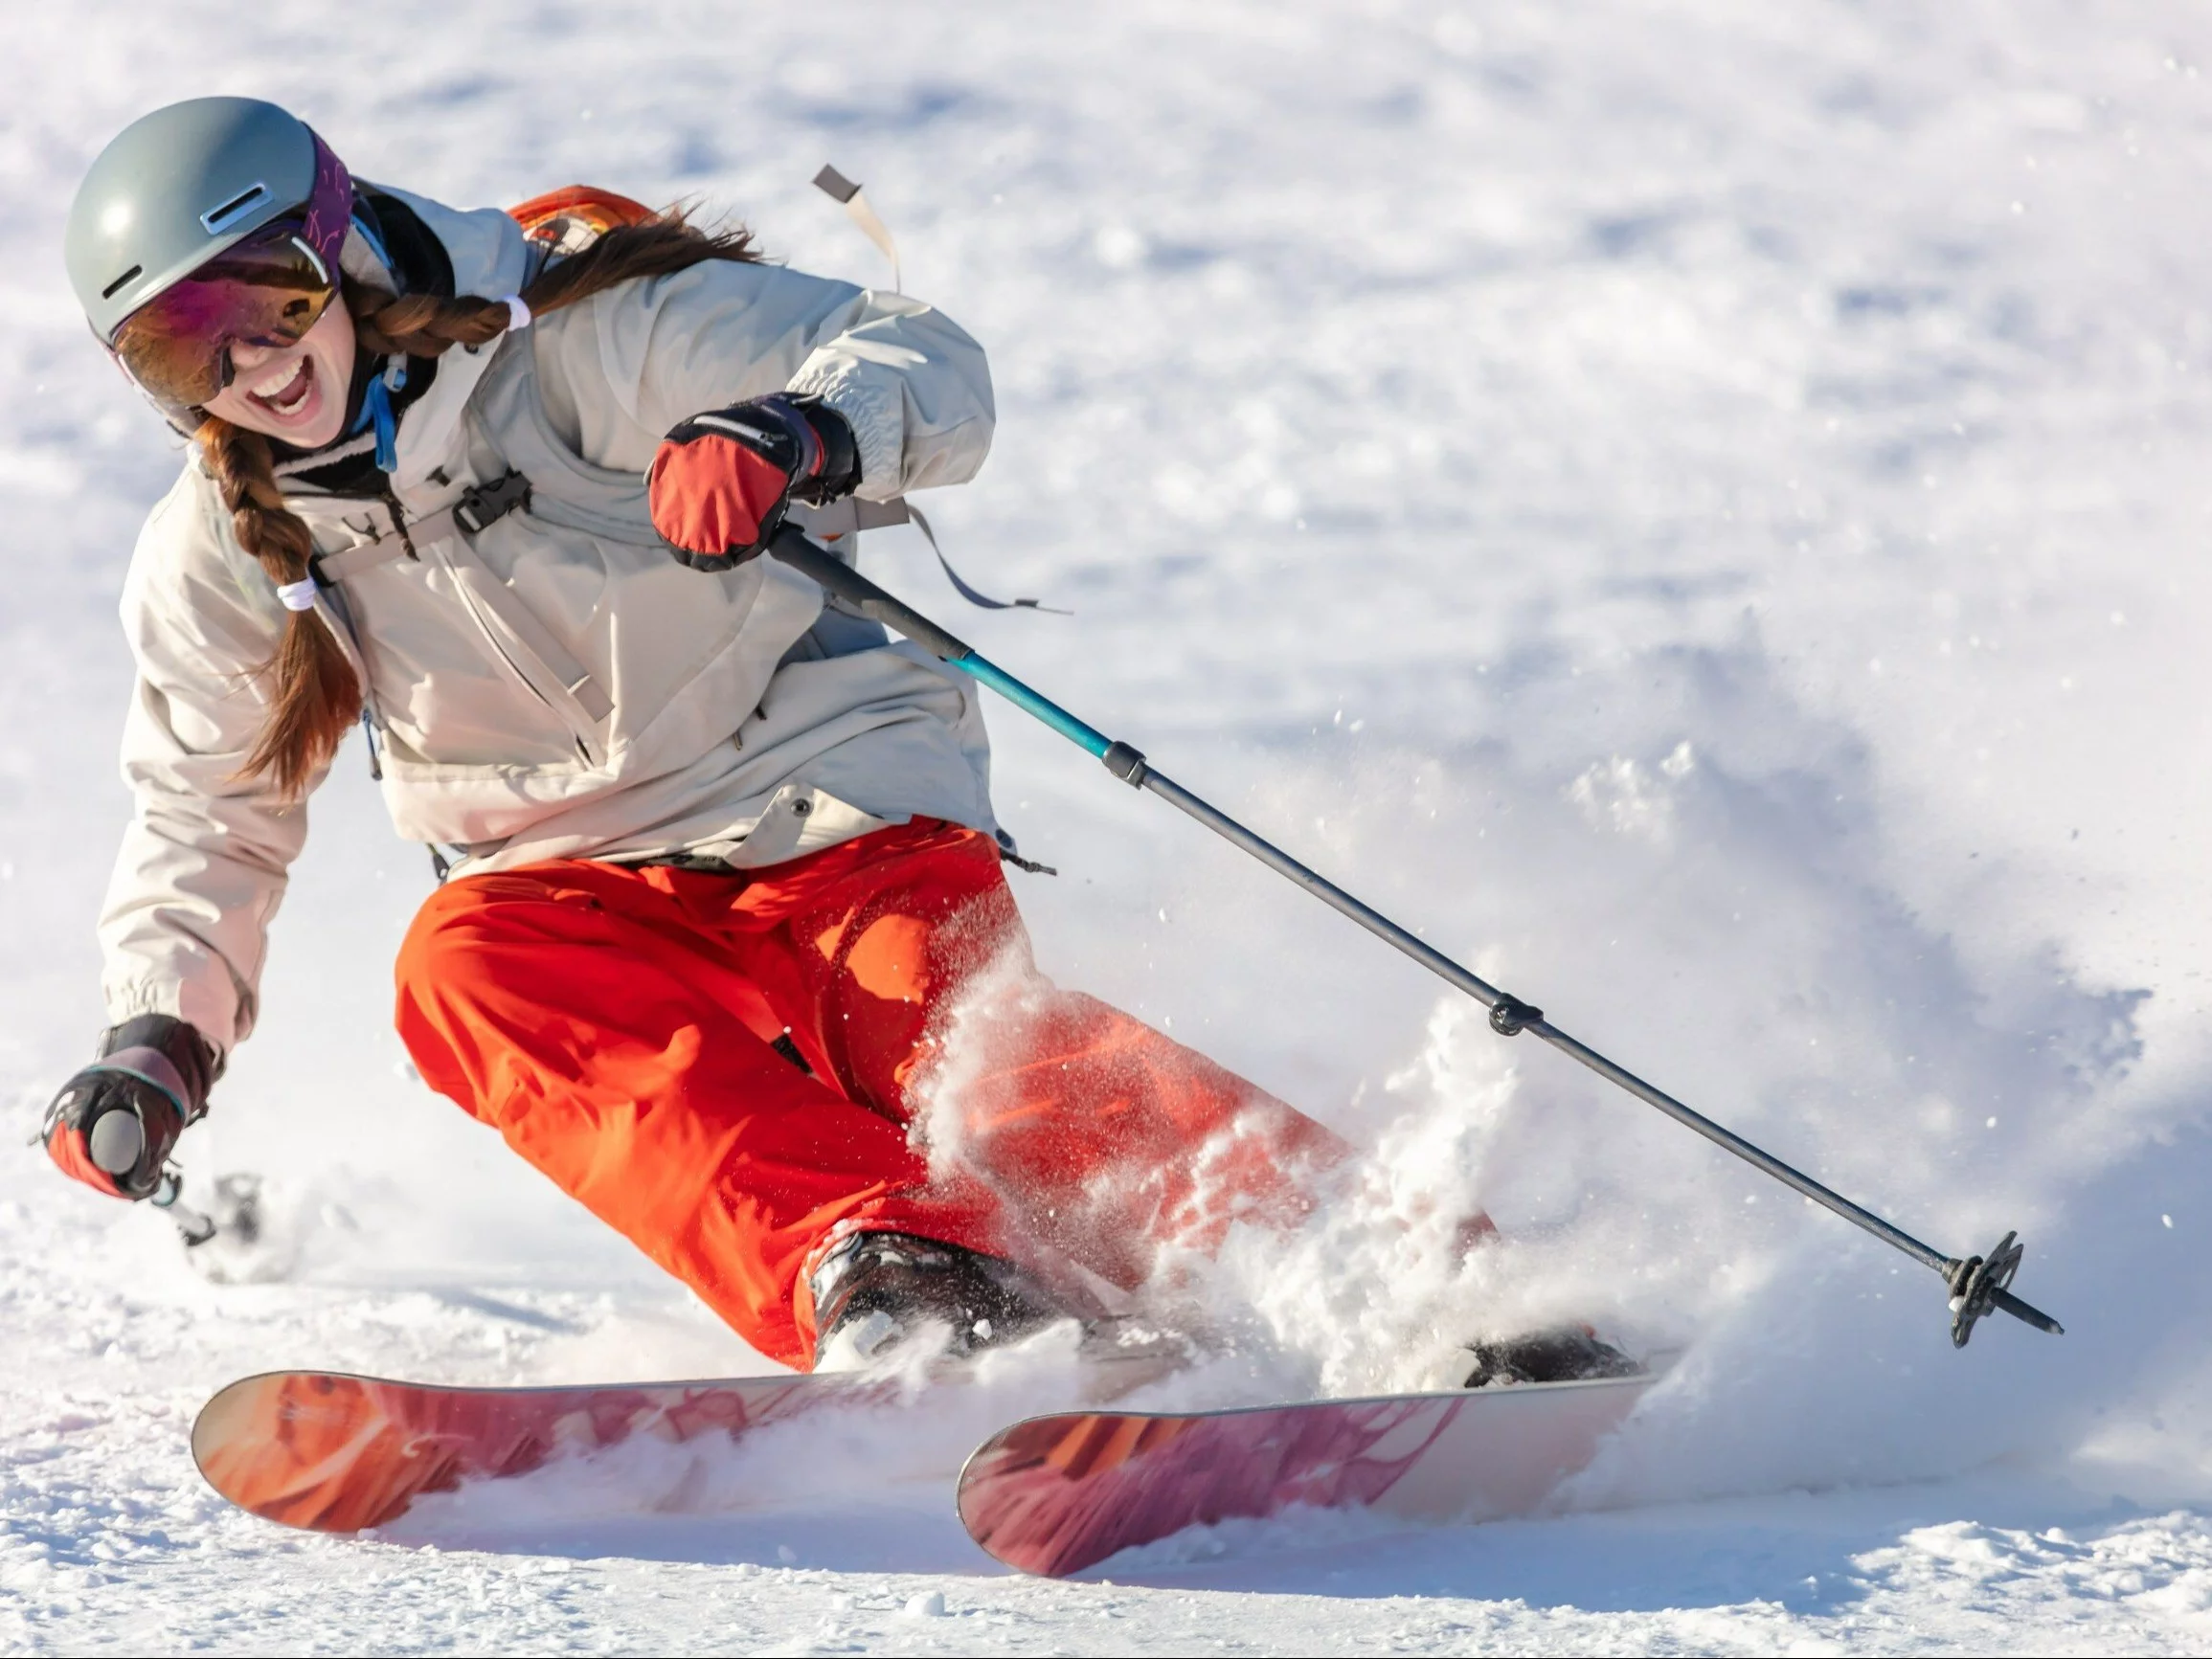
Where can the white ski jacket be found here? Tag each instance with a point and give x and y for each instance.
(551, 683)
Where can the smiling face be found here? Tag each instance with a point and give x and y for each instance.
(294, 392)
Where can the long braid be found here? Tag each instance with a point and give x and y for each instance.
(315, 695)
(426, 326)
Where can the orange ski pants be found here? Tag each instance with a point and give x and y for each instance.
(618, 1025)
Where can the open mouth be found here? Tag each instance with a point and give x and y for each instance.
(289, 396)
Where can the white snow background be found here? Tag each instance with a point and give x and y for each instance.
(1696, 504)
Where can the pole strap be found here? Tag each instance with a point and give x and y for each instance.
(390, 538)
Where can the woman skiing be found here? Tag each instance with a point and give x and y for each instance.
(496, 486)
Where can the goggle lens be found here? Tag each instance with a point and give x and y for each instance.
(268, 290)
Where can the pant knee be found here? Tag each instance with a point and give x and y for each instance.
(433, 940)
(464, 964)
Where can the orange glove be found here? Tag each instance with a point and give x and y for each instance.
(723, 481)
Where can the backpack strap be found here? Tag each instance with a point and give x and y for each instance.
(391, 537)
(456, 528)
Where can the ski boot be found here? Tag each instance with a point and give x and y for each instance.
(875, 1293)
(1567, 1354)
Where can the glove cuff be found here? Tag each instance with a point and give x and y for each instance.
(839, 474)
(152, 1066)
(169, 1054)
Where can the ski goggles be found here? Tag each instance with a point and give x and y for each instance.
(267, 289)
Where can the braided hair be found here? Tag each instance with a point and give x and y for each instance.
(314, 695)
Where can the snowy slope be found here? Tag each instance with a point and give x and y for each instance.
(1696, 504)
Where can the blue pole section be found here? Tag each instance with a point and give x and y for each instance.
(1043, 708)
(1977, 1284)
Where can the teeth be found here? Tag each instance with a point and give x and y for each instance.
(273, 391)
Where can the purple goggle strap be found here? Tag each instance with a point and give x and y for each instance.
(330, 206)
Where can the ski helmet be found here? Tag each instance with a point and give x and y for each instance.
(203, 224)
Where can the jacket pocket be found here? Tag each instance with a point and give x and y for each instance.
(529, 650)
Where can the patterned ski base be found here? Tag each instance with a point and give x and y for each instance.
(1055, 1494)
(335, 1453)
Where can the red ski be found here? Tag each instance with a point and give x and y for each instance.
(335, 1453)
(1056, 1494)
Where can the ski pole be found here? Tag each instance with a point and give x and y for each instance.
(1977, 1284)
(191, 1226)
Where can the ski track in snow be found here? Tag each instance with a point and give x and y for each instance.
(1696, 504)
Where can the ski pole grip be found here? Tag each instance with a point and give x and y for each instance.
(842, 582)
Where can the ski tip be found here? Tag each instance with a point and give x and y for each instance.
(307, 1449)
(1015, 1490)
(331, 1452)
(231, 1419)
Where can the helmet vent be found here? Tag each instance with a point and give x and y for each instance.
(221, 220)
(109, 292)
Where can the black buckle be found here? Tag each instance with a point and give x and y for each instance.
(483, 506)
(1509, 1016)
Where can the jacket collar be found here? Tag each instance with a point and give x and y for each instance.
(490, 258)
